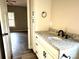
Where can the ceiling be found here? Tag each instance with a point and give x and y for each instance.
(19, 2)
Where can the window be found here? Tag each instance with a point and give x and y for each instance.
(11, 18)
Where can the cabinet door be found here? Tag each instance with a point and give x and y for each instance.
(48, 56)
(34, 43)
(39, 51)
(50, 49)
(42, 53)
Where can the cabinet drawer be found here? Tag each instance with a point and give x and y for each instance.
(48, 56)
(42, 53)
(34, 45)
(39, 50)
(34, 42)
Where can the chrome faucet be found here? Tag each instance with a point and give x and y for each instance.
(61, 33)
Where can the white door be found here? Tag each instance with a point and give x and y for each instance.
(5, 30)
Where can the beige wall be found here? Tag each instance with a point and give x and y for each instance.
(20, 18)
(65, 15)
(39, 6)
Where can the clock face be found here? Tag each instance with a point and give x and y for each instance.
(44, 14)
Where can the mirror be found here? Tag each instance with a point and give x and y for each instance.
(44, 14)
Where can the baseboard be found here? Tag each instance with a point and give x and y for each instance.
(19, 31)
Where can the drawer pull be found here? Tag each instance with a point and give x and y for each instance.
(44, 54)
(36, 52)
(36, 44)
(36, 37)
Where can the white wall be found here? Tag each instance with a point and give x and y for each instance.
(65, 15)
(39, 6)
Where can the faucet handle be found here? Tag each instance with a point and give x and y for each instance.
(61, 33)
(67, 36)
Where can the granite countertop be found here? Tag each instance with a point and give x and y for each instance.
(62, 44)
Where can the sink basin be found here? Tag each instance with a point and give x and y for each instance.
(52, 37)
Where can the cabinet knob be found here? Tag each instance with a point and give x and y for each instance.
(44, 54)
(37, 44)
(36, 37)
(36, 52)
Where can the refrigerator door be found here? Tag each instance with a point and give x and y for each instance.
(5, 30)
(2, 53)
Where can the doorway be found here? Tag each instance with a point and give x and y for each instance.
(17, 16)
(18, 29)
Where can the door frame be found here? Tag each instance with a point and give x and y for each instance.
(7, 51)
(29, 6)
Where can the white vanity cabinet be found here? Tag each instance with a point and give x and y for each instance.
(55, 49)
(43, 49)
